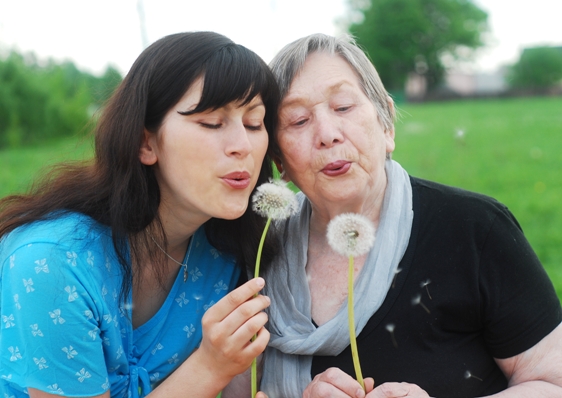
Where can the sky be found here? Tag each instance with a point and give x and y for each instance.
(96, 34)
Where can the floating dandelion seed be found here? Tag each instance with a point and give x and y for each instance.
(276, 202)
(351, 235)
(424, 284)
(417, 300)
(390, 327)
(468, 375)
(396, 272)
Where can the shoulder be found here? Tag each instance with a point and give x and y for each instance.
(59, 228)
(62, 238)
(446, 203)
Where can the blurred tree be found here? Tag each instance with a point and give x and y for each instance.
(537, 68)
(38, 102)
(405, 36)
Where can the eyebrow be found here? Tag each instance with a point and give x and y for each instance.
(300, 99)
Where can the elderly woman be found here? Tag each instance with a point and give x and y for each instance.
(450, 302)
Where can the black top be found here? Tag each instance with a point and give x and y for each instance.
(488, 296)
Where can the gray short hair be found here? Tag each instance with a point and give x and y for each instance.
(290, 60)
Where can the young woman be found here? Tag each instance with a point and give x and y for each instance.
(117, 276)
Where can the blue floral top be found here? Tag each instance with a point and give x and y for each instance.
(64, 329)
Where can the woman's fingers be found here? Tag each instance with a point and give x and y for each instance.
(333, 383)
(230, 324)
(234, 299)
(398, 390)
(369, 384)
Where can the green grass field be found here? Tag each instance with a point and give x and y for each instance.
(20, 166)
(508, 149)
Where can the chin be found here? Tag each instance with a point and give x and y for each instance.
(233, 213)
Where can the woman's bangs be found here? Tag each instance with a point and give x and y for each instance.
(233, 74)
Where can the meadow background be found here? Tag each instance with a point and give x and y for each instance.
(509, 149)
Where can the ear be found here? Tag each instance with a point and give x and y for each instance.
(147, 153)
(390, 133)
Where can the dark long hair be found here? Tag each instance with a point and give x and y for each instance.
(115, 188)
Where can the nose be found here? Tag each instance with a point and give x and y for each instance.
(328, 130)
(238, 142)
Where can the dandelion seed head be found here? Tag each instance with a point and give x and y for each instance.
(467, 374)
(274, 200)
(397, 271)
(351, 234)
(416, 299)
(390, 327)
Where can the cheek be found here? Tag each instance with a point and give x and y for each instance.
(291, 145)
(259, 144)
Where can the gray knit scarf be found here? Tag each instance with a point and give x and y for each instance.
(294, 338)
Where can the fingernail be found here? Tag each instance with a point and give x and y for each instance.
(260, 282)
(359, 393)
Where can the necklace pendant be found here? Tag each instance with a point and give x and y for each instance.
(185, 273)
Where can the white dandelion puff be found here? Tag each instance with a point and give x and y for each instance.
(351, 234)
(274, 200)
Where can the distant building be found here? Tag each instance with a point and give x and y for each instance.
(458, 84)
(476, 84)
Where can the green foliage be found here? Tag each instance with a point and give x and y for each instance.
(403, 36)
(507, 149)
(38, 102)
(537, 68)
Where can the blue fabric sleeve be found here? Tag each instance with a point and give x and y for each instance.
(50, 337)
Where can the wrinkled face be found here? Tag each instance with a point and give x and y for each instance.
(207, 163)
(332, 142)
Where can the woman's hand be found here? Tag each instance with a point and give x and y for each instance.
(228, 326)
(398, 390)
(336, 383)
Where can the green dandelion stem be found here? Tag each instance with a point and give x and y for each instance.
(351, 318)
(260, 248)
(254, 370)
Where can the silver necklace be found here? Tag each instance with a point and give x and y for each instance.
(183, 265)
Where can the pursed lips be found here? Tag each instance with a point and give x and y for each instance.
(336, 168)
(237, 179)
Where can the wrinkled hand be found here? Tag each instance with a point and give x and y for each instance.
(335, 383)
(228, 326)
(398, 390)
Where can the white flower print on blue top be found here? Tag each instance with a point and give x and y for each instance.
(63, 328)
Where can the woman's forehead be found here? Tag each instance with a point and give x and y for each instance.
(322, 73)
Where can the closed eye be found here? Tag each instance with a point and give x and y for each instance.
(254, 128)
(211, 126)
(343, 108)
(300, 122)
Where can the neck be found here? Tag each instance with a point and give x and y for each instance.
(178, 229)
